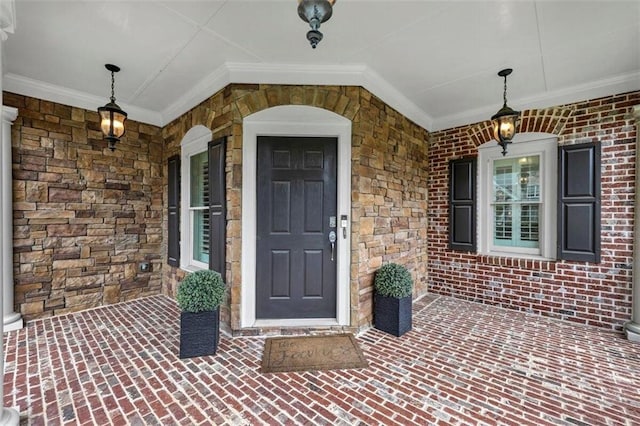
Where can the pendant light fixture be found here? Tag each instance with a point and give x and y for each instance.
(505, 120)
(112, 117)
(315, 12)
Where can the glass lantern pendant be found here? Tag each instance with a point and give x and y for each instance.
(112, 117)
(505, 121)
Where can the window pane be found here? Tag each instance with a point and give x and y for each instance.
(503, 225)
(503, 181)
(516, 184)
(529, 177)
(201, 235)
(200, 180)
(529, 223)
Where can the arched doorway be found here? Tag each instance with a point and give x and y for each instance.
(295, 123)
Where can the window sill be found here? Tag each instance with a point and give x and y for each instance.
(538, 264)
(191, 268)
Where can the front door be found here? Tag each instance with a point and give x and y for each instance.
(296, 212)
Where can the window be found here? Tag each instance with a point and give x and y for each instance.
(517, 199)
(537, 195)
(196, 203)
(516, 202)
(195, 223)
(199, 208)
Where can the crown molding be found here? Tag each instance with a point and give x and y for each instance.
(206, 88)
(377, 85)
(620, 84)
(343, 75)
(340, 75)
(49, 92)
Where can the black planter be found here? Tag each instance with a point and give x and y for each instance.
(392, 315)
(199, 333)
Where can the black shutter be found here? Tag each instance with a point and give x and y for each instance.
(579, 202)
(173, 246)
(217, 205)
(462, 204)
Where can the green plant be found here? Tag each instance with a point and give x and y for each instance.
(393, 280)
(201, 291)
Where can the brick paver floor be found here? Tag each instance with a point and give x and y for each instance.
(463, 363)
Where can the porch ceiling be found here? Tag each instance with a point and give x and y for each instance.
(434, 61)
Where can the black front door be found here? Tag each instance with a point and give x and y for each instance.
(296, 265)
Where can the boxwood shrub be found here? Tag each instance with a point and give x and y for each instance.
(393, 280)
(201, 291)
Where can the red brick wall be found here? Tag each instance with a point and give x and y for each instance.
(83, 216)
(594, 294)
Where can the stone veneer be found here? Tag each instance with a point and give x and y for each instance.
(84, 216)
(594, 294)
(389, 182)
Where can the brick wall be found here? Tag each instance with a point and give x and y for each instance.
(84, 217)
(594, 294)
(389, 172)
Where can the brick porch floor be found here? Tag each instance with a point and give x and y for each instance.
(463, 363)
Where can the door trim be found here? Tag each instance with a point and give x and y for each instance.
(294, 120)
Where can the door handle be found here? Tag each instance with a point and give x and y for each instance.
(332, 240)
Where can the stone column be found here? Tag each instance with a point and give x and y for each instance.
(632, 328)
(8, 416)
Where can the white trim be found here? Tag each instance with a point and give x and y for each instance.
(610, 86)
(195, 141)
(11, 320)
(50, 92)
(348, 75)
(302, 322)
(317, 74)
(543, 144)
(294, 120)
(202, 91)
(231, 72)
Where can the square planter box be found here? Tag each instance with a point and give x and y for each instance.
(199, 333)
(392, 315)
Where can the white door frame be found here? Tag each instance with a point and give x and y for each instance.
(294, 120)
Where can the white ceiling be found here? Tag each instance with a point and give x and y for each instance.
(434, 61)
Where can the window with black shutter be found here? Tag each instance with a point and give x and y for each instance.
(462, 204)
(579, 202)
(217, 205)
(173, 225)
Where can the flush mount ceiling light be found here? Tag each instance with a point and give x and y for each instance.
(315, 12)
(112, 117)
(506, 119)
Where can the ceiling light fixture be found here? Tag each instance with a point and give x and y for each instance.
(112, 117)
(315, 12)
(506, 119)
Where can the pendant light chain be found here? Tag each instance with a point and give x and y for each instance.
(505, 91)
(113, 80)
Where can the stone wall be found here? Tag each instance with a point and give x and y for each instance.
(594, 294)
(389, 175)
(84, 216)
(216, 113)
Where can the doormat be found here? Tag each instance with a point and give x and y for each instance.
(331, 352)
